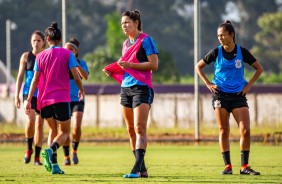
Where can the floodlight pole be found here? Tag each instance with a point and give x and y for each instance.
(64, 22)
(8, 56)
(196, 78)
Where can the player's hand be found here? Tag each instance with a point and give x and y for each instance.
(124, 64)
(213, 88)
(27, 107)
(81, 95)
(245, 90)
(17, 102)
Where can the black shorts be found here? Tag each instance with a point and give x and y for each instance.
(134, 96)
(33, 103)
(77, 106)
(59, 111)
(228, 101)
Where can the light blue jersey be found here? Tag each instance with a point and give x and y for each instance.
(73, 87)
(229, 74)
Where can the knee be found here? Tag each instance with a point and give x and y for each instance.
(224, 131)
(139, 130)
(131, 131)
(245, 131)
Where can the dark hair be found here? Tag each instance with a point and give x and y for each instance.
(74, 41)
(134, 15)
(39, 33)
(53, 32)
(227, 26)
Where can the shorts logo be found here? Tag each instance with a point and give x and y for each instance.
(238, 63)
(217, 104)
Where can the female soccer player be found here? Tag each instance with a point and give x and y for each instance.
(229, 89)
(34, 125)
(77, 107)
(134, 72)
(51, 75)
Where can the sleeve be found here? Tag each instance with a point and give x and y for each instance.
(72, 61)
(149, 46)
(36, 68)
(247, 56)
(84, 66)
(211, 56)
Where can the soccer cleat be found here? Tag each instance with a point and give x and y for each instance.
(74, 158)
(37, 161)
(247, 170)
(67, 161)
(47, 156)
(56, 169)
(144, 174)
(132, 175)
(227, 170)
(27, 156)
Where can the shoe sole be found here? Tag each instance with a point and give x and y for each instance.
(47, 163)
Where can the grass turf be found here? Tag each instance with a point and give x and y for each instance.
(167, 163)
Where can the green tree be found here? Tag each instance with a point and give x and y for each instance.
(269, 39)
(115, 35)
(167, 72)
(97, 60)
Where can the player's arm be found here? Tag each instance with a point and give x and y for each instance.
(199, 69)
(76, 77)
(258, 70)
(82, 72)
(20, 78)
(34, 83)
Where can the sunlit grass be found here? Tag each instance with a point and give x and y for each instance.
(167, 163)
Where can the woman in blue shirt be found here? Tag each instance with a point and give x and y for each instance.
(34, 125)
(229, 89)
(77, 107)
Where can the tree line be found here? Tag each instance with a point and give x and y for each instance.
(96, 24)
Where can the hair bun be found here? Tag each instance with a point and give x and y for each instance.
(228, 22)
(54, 25)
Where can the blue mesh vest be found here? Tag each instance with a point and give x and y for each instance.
(29, 74)
(229, 74)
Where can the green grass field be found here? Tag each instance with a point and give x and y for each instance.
(167, 163)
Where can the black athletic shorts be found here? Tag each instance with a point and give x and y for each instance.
(77, 106)
(134, 96)
(59, 111)
(229, 101)
(33, 103)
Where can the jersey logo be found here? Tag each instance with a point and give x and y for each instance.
(238, 63)
(217, 104)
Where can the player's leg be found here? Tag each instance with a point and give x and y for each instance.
(29, 134)
(66, 145)
(141, 114)
(38, 138)
(76, 134)
(66, 149)
(127, 114)
(141, 102)
(63, 135)
(60, 111)
(222, 117)
(242, 118)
